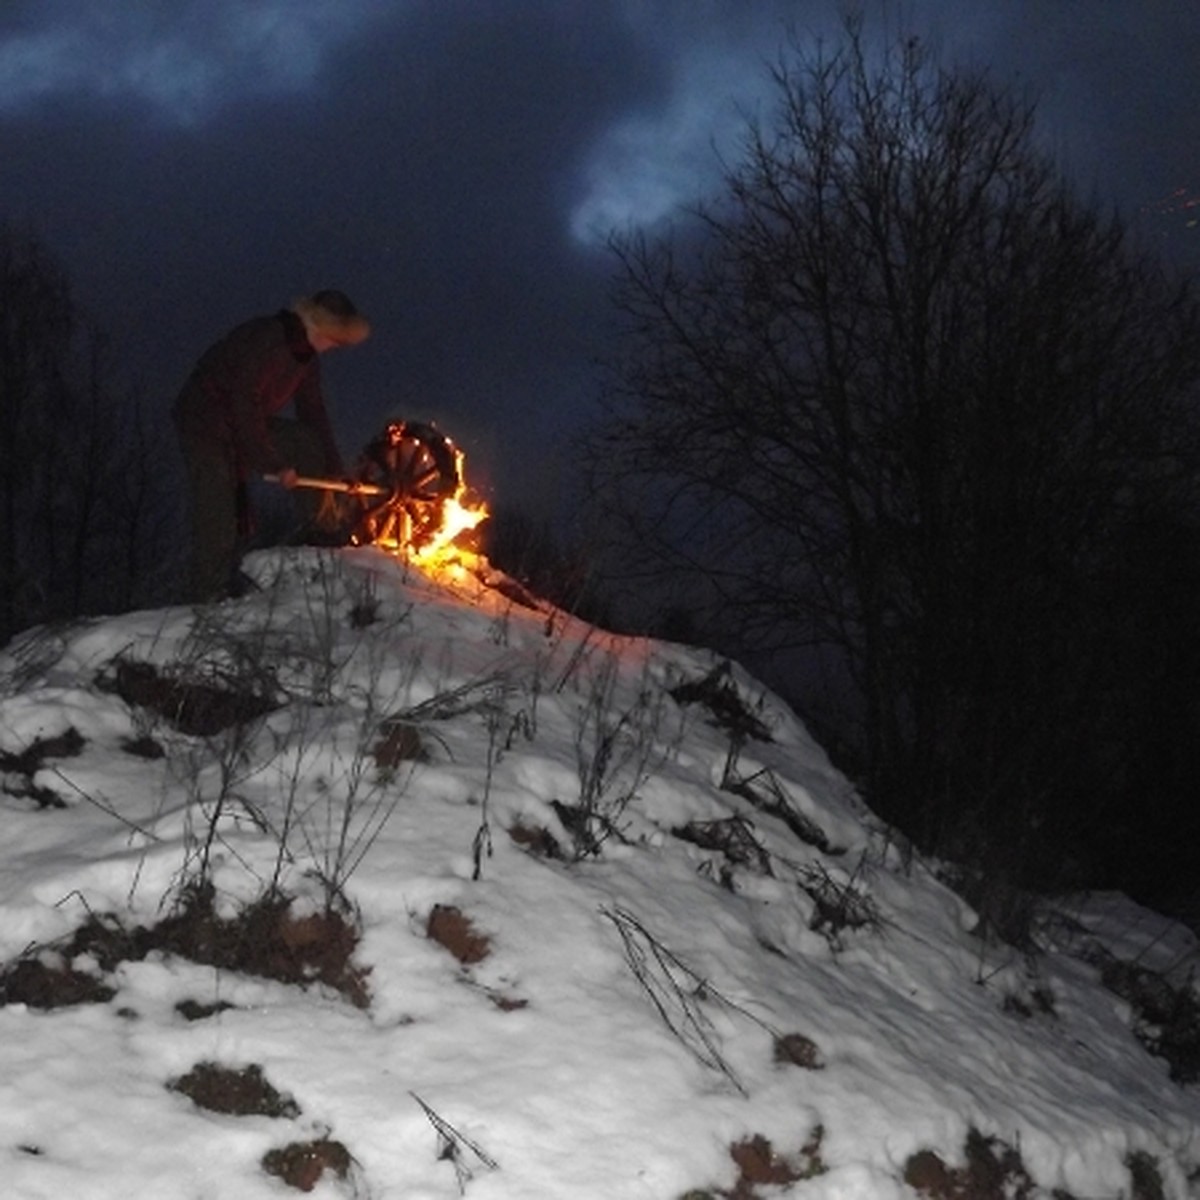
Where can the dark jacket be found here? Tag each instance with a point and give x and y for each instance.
(249, 376)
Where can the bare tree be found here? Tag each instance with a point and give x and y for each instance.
(894, 401)
(563, 572)
(81, 501)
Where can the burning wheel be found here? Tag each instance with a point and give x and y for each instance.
(406, 494)
(412, 470)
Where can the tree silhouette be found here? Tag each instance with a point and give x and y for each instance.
(529, 550)
(85, 508)
(896, 401)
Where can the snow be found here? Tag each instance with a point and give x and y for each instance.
(619, 1035)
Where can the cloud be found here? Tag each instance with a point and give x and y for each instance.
(648, 165)
(716, 58)
(654, 161)
(183, 59)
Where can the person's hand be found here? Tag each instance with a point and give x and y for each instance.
(288, 477)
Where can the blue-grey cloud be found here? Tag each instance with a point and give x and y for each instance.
(648, 165)
(656, 160)
(183, 59)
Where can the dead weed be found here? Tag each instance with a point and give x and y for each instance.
(717, 692)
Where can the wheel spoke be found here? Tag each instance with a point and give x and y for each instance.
(418, 467)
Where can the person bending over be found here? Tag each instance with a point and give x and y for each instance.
(228, 419)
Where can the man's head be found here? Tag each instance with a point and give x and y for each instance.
(330, 319)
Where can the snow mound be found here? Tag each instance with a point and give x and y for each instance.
(622, 929)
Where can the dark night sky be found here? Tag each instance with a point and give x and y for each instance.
(453, 165)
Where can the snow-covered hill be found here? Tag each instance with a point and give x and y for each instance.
(387, 887)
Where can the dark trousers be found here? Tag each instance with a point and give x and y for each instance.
(219, 504)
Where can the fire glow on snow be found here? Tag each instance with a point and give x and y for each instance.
(689, 962)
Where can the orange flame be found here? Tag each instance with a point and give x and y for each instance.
(433, 534)
(441, 548)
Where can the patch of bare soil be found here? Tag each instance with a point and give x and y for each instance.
(992, 1171)
(200, 704)
(194, 1010)
(450, 928)
(540, 842)
(1145, 1178)
(144, 746)
(48, 977)
(265, 939)
(301, 1164)
(794, 1049)
(237, 1092)
(400, 742)
(245, 1091)
(49, 981)
(759, 1165)
(18, 770)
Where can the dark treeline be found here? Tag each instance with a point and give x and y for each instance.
(563, 571)
(89, 518)
(918, 429)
